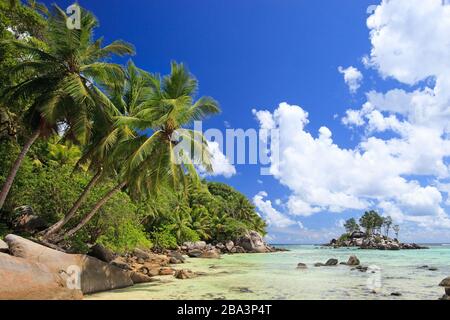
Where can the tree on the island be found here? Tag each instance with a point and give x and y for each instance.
(396, 230)
(351, 226)
(387, 223)
(371, 221)
(63, 81)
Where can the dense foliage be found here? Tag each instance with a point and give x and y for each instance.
(74, 148)
(372, 223)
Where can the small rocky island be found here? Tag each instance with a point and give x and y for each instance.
(372, 237)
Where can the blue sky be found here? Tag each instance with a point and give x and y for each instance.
(257, 54)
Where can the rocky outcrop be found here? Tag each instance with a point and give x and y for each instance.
(175, 257)
(184, 274)
(144, 265)
(21, 279)
(331, 262)
(358, 235)
(100, 252)
(319, 264)
(198, 245)
(446, 284)
(138, 277)
(302, 266)
(353, 261)
(210, 254)
(374, 242)
(229, 245)
(95, 275)
(253, 242)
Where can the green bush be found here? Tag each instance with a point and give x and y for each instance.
(163, 238)
(189, 235)
(125, 237)
(344, 237)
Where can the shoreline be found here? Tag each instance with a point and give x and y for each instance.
(236, 272)
(276, 276)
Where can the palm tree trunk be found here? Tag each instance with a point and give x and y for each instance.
(69, 215)
(12, 174)
(89, 216)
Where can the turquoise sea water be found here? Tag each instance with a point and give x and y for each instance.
(275, 276)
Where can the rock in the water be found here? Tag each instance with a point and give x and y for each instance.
(95, 274)
(184, 274)
(166, 271)
(100, 252)
(331, 262)
(319, 264)
(446, 284)
(253, 242)
(210, 254)
(433, 269)
(138, 277)
(361, 268)
(25, 280)
(353, 261)
(174, 260)
(175, 257)
(302, 266)
(396, 294)
(3, 247)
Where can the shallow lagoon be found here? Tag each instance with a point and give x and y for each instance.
(274, 276)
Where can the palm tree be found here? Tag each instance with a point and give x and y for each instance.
(151, 161)
(244, 209)
(170, 108)
(62, 153)
(63, 81)
(180, 219)
(200, 222)
(396, 229)
(259, 225)
(99, 152)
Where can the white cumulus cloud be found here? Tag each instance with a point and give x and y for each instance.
(273, 217)
(220, 163)
(352, 77)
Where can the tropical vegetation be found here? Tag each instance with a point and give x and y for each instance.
(102, 152)
(372, 223)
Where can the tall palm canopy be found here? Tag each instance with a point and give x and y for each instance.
(154, 159)
(65, 76)
(63, 80)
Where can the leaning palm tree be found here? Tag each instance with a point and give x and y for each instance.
(64, 81)
(99, 152)
(152, 160)
(171, 149)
